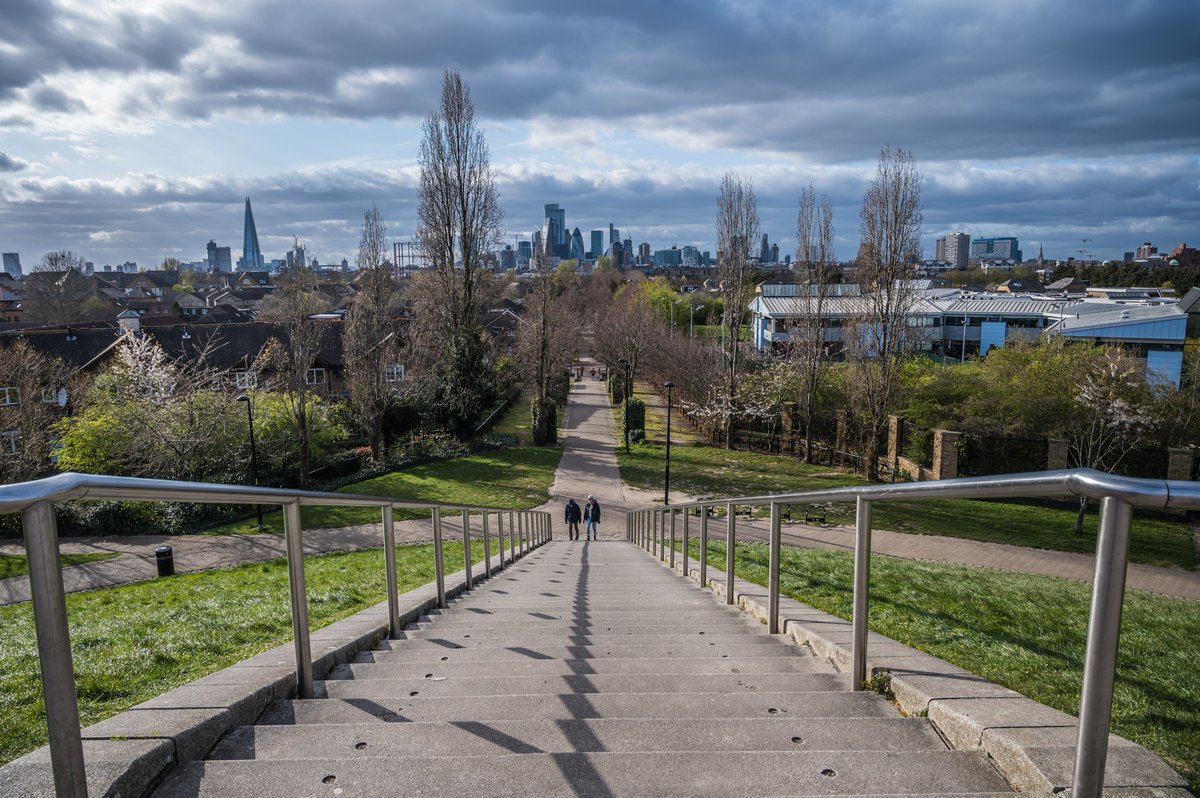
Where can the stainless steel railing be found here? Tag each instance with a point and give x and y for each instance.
(1117, 497)
(35, 501)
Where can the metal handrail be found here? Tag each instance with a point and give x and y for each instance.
(1117, 495)
(35, 501)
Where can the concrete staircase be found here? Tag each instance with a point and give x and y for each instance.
(586, 669)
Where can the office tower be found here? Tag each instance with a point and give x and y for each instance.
(627, 253)
(1145, 251)
(577, 251)
(643, 256)
(539, 243)
(296, 256)
(939, 249)
(614, 237)
(597, 244)
(252, 258)
(1000, 248)
(508, 258)
(691, 256)
(958, 249)
(774, 253)
(524, 255)
(12, 264)
(764, 250)
(220, 259)
(554, 231)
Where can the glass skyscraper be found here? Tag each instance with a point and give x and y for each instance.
(252, 257)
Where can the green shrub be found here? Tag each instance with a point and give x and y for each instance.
(634, 420)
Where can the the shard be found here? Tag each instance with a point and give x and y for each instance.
(252, 258)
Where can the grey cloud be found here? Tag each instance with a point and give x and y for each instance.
(11, 164)
(821, 80)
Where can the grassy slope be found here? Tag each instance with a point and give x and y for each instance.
(16, 564)
(517, 477)
(1023, 631)
(712, 471)
(133, 642)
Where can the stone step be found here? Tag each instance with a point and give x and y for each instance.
(750, 704)
(631, 735)
(486, 637)
(533, 619)
(543, 627)
(366, 668)
(444, 686)
(431, 652)
(472, 640)
(723, 774)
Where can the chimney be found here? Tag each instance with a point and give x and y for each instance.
(130, 322)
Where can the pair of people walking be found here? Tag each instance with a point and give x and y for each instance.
(590, 514)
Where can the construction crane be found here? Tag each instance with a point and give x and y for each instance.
(1083, 250)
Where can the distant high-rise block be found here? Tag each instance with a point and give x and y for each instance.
(764, 250)
(554, 231)
(577, 250)
(597, 243)
(524, 254)
(252, 257)
(220, 259)
(12, 264)
(939, 249)
(958, 249)
(1001, 248)
(1146, 250)
(774, 253)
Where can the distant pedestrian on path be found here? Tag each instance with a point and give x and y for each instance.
(591, 517)
(573, 515)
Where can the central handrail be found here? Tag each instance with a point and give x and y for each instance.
(35, 501)
(1117, 495)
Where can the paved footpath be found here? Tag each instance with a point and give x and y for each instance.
(588, 467)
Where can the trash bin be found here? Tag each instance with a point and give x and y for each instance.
(164, 557)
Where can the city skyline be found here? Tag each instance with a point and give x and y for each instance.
(136, 135)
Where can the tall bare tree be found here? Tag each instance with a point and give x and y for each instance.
(28, 406)
(807, 339)
(547, 343)
(56, 291)
(459, 222)
(369, 341)
(737, 234)
(878, 341)
(292, 359)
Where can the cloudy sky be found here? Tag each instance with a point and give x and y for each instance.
(133, 129)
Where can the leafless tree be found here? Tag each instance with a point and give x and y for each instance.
(56, 290)
(369, 341)
(459, 223)
(737, 234)
(878, 341)
(28, 407)
(807, 339)
(292, 359)
(547, 343)
(626, 328)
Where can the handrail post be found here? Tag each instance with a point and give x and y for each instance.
(730, 544)
(684, 548)
(652, 538)
(40, 530)
(773, 572)
(439, 570)
(862, 590)
(389, 565)
(500, 536)
(1100, 661)
(512, 530)
(466, 522)
(487, 548)
(299, 596)
(703, 547)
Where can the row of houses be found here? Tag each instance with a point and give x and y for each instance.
(955, 323)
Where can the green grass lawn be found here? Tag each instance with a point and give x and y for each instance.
(517, 477)
(656, 418)
(517, 421)
(133, 642)
(1023, 631)
(712, 471)
(16, 564)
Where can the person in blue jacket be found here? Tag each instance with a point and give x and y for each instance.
(573, 515)
(591, 517)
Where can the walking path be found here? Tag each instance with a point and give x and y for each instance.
(588, 467)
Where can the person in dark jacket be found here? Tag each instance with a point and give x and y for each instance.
(573, 515)
(591, 517)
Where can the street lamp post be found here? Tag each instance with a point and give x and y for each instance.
(667, 466)
(626, 390)
(253, 452)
